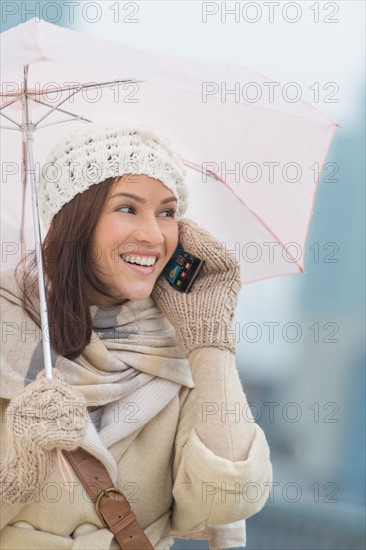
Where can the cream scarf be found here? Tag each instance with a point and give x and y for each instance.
(132, 367)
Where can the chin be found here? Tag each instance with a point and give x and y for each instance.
(140, 294)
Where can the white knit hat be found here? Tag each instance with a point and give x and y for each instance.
(93, 153)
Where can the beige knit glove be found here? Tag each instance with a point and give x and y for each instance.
(203, 316)
(46, 415)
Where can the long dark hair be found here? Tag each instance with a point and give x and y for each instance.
(68, 271)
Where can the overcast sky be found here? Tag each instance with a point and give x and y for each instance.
(319, 45)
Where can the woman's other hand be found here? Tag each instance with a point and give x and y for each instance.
(47, 415)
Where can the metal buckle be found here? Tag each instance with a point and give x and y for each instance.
(105, 494)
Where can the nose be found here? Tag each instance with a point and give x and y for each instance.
(149, 231)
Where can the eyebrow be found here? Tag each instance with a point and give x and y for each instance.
(140, 199)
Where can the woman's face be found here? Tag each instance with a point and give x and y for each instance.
(144, 227)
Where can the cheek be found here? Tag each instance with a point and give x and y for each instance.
(172, 239)
(98, 232)
(106, 233)
(100, 243)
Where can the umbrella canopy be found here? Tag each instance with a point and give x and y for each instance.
(255, 157)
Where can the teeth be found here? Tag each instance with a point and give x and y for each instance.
(141, 260)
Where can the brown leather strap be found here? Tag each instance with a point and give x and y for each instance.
(112, 506)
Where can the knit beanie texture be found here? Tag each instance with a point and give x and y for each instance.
(93, 153)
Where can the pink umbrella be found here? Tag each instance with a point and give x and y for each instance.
(254, 157)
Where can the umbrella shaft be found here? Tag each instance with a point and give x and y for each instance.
(27, 132)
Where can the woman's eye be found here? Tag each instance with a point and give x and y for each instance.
(170, 212)
(121, 208)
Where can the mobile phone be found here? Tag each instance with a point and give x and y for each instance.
(182, 269)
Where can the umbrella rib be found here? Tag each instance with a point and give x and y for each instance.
(77, 89)
(61, 110)
(68, 88)
(9, 128)
(195, 166)
(65, 120)
(11, 120)
(54, 108)
(9, 103)
(31, 92)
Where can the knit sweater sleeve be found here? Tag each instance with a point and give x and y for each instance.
(222, 471)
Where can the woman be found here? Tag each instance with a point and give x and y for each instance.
(144, 376)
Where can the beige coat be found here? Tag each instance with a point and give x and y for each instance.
(168, 470)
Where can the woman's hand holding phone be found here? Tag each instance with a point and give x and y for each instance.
(203, 316)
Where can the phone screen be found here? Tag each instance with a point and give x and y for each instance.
(182, 269)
